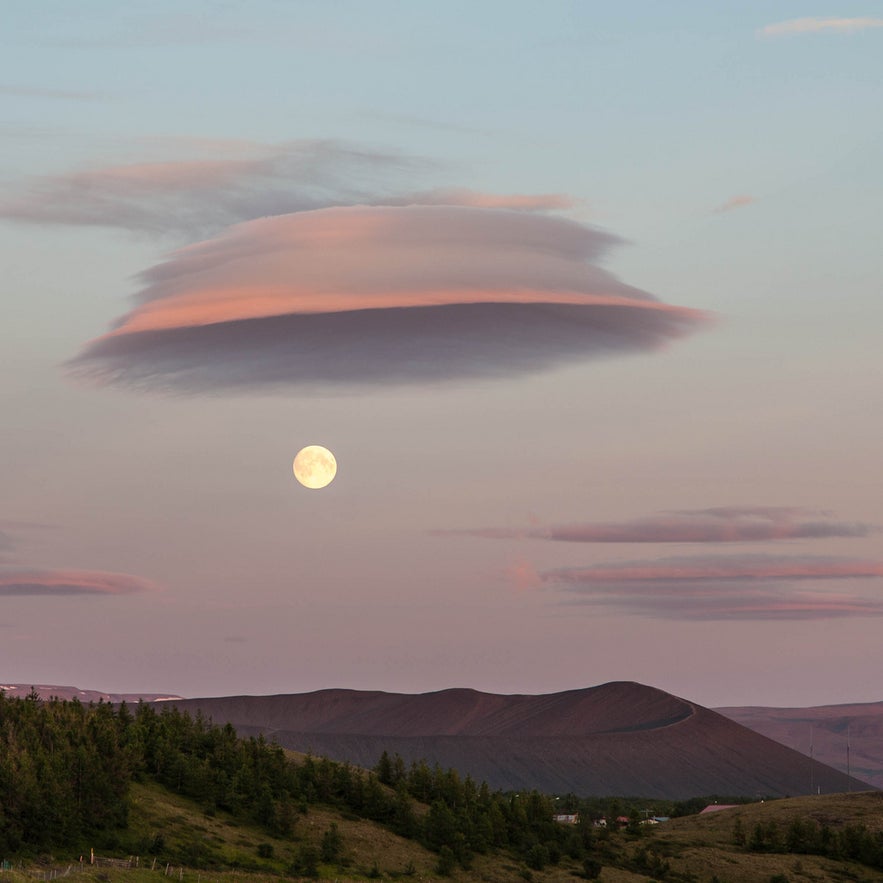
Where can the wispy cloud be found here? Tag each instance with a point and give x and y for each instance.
(40, 92)
(70, 582)
(717, 568)
(530, 202)
(366, 295)
(198, 197)
(734, 202)
(243, 180)
(718, 525)
(817, 25)
(15, 534)
(721, 587)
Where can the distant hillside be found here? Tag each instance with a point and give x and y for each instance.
(618, 738)
(827, 727)
(47, 691)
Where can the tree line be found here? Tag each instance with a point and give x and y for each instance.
(809, 837)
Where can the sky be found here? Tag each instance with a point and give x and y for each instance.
(583, 296)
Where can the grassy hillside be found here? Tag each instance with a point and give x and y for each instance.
(191, 837)
(175, 839)
(705, 845)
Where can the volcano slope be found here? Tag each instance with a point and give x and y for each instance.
(833, 731)
(620, 738)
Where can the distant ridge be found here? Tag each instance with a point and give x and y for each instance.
(619, 738)
(48, 691)
(829, 728)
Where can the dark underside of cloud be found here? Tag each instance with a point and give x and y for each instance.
(393, 345)
(720, 602)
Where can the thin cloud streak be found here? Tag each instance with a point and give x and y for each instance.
(718, 568)
(717, 525)
(734, 202)
(716, 588)
(30, 582)
(717, 603)
(817, 25)
(6, 545)
(460, 196)
(157, 30)
(364, 295)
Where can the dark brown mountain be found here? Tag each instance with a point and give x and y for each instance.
(619, 738)
(827, 728)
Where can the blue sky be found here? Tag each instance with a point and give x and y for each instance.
(732, 151)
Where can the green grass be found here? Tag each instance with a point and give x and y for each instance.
(175, 839)
(216, 841)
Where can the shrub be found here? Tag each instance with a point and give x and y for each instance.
(447, 861)
(591, 869)
(332, 843)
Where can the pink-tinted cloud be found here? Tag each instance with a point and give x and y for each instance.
(734, 202)
(200, 197)
(70, 582)
(739, 587)
(523, 576)
(380, 294)
(817, 25)
(718, 525)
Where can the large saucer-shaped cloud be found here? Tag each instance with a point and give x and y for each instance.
(364, 295)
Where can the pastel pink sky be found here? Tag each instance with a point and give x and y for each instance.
(586, 305)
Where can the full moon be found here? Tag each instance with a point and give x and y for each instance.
(315, 466)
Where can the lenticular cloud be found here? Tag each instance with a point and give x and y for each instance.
(375, 295)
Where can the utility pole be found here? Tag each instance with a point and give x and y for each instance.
(812, 767)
